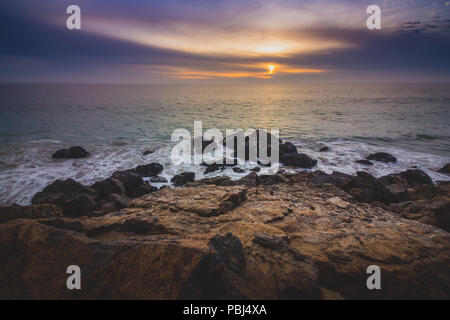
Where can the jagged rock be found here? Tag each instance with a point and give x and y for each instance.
(287, 147)
(183, 178)
(108, 186)
(299, 160)
(141, 190)
(408, 178)
(432, 212)
(366, 188)
(324, 149)
(71, 153)
(119, 200)
(382, 156)
(445, 169)
(365, 162)
(36, 211)
(130, 180)
(147, 152)
(176, 243)
(238, 170)
(74, 198)
(149, 170)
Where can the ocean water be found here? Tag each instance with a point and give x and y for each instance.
(116, 123)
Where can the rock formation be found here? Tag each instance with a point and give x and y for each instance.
(287, 236)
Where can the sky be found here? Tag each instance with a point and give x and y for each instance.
(205, 41)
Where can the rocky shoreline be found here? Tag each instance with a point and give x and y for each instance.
(284, 236)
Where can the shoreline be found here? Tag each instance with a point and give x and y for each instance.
(306, 235)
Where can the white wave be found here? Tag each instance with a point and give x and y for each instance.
(26, 169)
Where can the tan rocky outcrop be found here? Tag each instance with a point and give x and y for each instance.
(289, 240)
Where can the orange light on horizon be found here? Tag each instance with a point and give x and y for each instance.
(271, 68)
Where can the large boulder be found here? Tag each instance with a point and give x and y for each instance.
(74, 198)
(382, 156)
(298, 160)
(71, 153)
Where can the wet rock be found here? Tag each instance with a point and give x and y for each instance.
(74, 198)
(238, 170)
(299, 160)
(382, 156)
(71, 153)
(324, 149)
(183, 178)
(147, 152)
(108, 186)
(365, 162)
(445, 169)
(130, 180)
(287, 147)
(255, 169)
(149, 170)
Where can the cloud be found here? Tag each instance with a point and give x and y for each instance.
(205, 40)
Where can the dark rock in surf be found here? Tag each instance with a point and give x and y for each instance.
(147, 152)
(149, 170)
(299, 160)
(287, 147)
(324, 149)
(183, 178)
(108, 186)
(445, 169)
(74, 198)
(383, 157)
(158, 179)
(71, 153)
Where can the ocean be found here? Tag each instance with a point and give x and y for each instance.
(117, 123)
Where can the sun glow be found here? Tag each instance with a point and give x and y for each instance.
(271, 68)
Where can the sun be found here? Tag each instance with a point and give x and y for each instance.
(271, 68)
